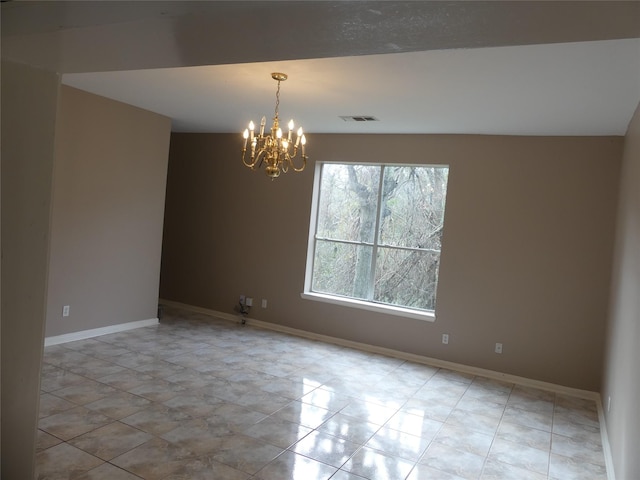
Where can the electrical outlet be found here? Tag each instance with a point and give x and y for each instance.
(249, 302)
(65, 310)
(445, 338)
(498, 348)
(264, 303)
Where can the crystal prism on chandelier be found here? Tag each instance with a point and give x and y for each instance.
(277, 151)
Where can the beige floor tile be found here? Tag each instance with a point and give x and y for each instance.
(246, 454)
(119, 405)
(349, 428)
(277, 431)
(465, 439)
(154, 459)
(73, 422)
(473, 421)
(520, 456)
(199, 436)
(580, 449)
(198, 398)
(63, 461)
(106, 471)
(327, 399)
(565, 468)
(197, 404)
(344, 475)
(44, 441)
(370, 463)
(415, 424)
(325, 448)
(292, 466)
(450, 460)
(111, 440)
(205, 468)
(398, 444)
(304, 414)
(157, 419)
(51, 404)
(495, 470)
(524, 435)
(528, 418)
(84, 393)
(423, 472)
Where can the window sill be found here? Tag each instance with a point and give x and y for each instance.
(374, 307)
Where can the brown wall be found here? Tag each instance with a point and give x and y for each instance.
(29, 105)
(108, 208)
(622, 365)
(526, 251)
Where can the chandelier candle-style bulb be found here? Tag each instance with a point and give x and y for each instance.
(290, 128)
(275, 150)
(263, 122)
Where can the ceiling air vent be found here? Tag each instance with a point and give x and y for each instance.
(359, 118)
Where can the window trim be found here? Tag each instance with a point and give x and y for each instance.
(423, 315)
(307, 294)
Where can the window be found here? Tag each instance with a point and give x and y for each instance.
(377, 234)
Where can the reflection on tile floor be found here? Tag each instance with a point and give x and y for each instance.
(201, 398)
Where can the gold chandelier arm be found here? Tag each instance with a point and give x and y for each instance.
(260, 158)
(251, 164)
(304, 164)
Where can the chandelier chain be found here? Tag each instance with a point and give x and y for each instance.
(277, 99)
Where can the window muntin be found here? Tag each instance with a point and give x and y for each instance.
(378, 233)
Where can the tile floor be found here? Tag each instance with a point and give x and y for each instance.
(201, 398)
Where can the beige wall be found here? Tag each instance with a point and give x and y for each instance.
(29, 103)
(526, 252)
(108, 207)
(622, 365)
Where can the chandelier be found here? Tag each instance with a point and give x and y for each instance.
(274, 149)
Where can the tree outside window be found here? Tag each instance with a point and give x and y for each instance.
(379, 233)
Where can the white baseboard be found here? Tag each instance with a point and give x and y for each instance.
(96, 332)
(434, 362)
(606, 446)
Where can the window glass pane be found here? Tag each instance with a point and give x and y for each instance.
(407, 278)
(412, 210)
(348, 200)
(407, 228)
(342, 269)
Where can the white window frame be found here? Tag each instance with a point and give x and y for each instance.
(426, 315)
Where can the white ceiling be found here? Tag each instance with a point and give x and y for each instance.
(583, 88)
(486, 67)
